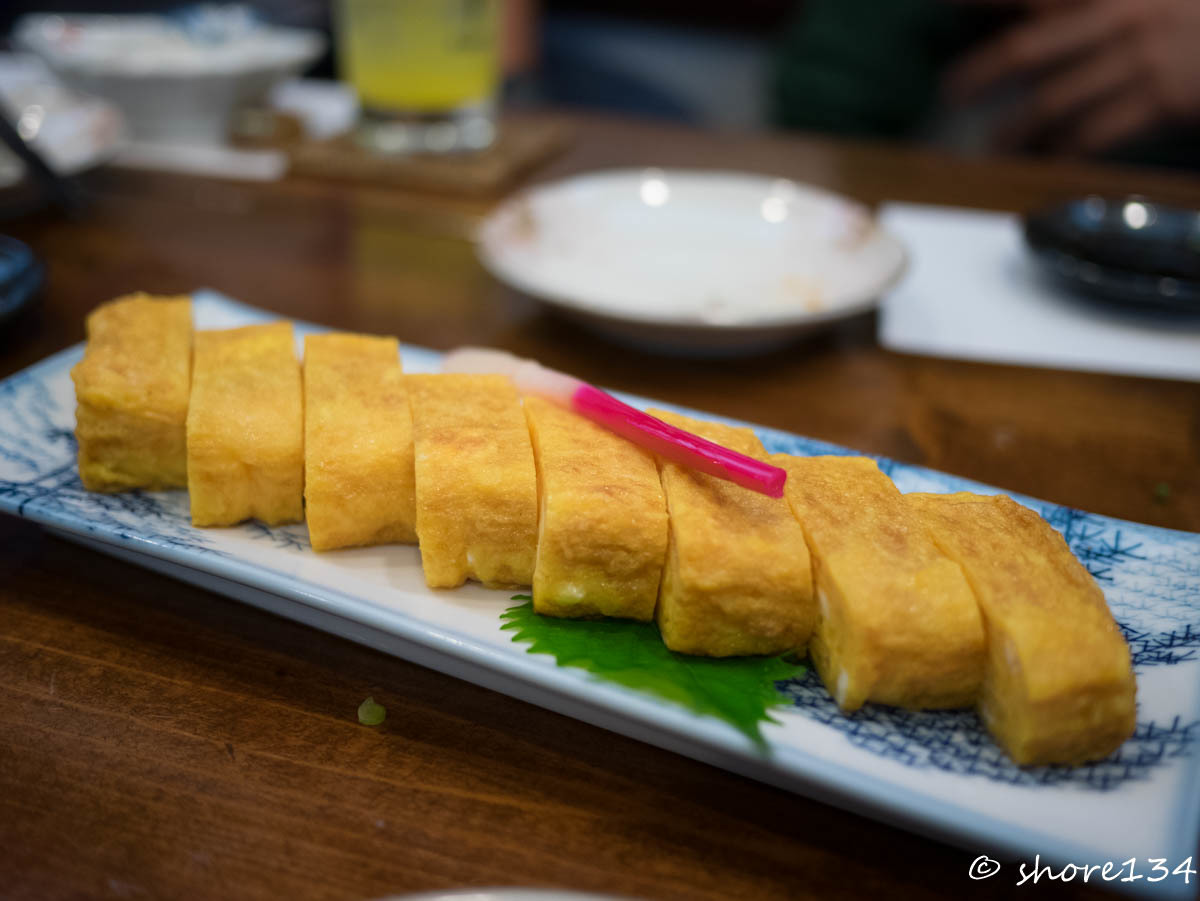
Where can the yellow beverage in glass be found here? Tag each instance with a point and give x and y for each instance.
(426, 71)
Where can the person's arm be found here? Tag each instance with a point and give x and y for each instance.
(1103, 71)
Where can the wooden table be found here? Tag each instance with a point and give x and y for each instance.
(157, 741)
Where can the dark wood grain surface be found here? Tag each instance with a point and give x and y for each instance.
(157, 741)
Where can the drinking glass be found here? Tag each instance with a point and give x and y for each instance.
(426, 72)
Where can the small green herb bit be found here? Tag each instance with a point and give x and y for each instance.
(1162, 492)
(739, 690)
(370, 713)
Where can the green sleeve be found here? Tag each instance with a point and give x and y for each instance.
(863, 67)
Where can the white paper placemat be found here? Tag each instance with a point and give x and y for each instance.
(973, 292)
(212, 161)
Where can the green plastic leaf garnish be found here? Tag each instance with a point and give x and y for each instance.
(739, 690)
(370, 713)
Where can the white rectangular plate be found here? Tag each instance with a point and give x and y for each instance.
(934, 772)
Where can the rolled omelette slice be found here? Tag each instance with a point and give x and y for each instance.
(132, 389)
(476, 486)
(737, 578)
(358, 446)
(1058, 685)
(898, 623)
(602, 521)
(245, 427)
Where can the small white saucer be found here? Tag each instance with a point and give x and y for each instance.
(692, 261)
(72, 133)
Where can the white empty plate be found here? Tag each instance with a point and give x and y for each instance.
(692, 261)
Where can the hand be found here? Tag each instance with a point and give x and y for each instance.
(1103, 71)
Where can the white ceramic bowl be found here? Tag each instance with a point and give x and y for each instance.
(174, 85)
(692, 261)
